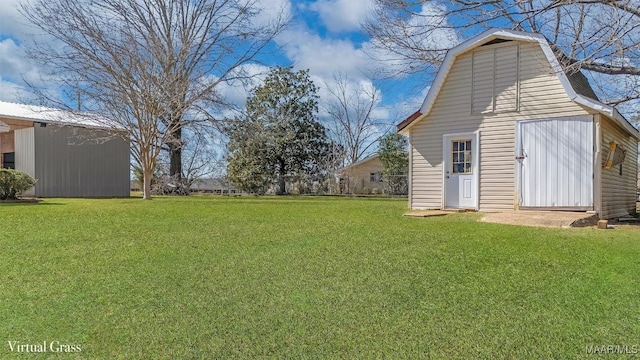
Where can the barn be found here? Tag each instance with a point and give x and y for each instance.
(504, 127)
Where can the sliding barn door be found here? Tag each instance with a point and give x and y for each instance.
(555, 159)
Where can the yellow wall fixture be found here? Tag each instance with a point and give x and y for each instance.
(616, 155)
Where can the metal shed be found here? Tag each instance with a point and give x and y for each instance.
(69, 154)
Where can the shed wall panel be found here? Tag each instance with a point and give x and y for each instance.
(618, 191)
(79, 162)
(25, 155)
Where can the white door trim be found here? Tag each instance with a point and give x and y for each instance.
(597, 168)
(446, 139)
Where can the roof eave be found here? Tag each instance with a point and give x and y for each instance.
(369, 158)
(114, 127)
(608, 111)
(403, 127)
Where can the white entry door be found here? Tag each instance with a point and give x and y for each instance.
(556, 162)
(461, 171)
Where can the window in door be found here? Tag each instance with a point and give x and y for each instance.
(461, 156)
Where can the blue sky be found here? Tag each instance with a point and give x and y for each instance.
(325, 37)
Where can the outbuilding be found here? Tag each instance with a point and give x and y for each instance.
(69, 154)
(362, 177)
(504, 127)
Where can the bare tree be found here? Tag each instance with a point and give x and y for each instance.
(412, 36)
(601, 36)
(145, 64)
(352, 123)
(202, 158)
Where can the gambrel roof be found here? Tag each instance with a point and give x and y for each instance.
(575, 85)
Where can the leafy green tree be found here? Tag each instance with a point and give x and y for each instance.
(247, 162)
(395, 163)
(279, 139)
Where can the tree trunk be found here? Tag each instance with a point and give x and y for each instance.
(175, 155)
(146, 187)
(175, 162)
(281, 183)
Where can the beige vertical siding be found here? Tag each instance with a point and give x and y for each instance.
(506, 79)
(618, 191)
(541, 96)
(482, 84)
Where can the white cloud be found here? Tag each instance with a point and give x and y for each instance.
(410, 104)
(13, 23)
(342, 15)
(425, 36)
(15, 66)
(439, 34)
(12, 92)
(269, 12)
(327, 58)
(354, 88)
(237, 91)
(12, 63)
(324, 56)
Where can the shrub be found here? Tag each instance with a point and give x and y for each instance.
(14, 183)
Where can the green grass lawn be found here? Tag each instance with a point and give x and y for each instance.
(210, 277)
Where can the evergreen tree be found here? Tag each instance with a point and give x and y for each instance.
(395, 163)
(279, 139)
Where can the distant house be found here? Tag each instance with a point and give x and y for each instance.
(206, 185)
(362, 177)
(503, 127)
(214, 186)
(70, 154)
